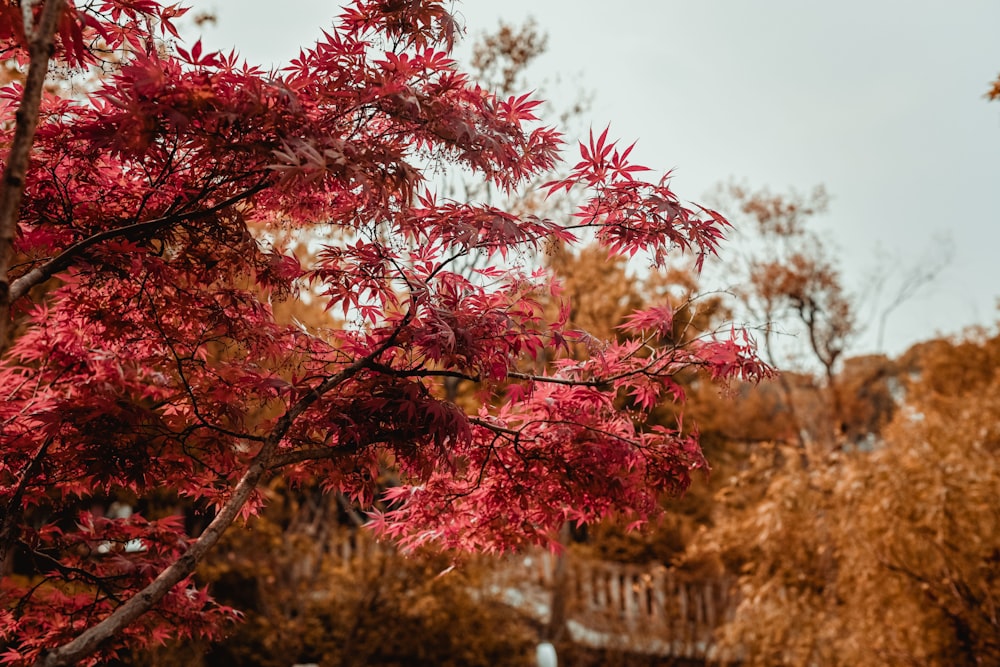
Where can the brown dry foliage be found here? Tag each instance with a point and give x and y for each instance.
(889, 556)
(500, 58)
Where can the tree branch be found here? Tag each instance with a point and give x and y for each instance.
(63, 260)
(91, 639)
(315, 454)
(599, 382)
(12, 513)
(41, 47)
(143, 601)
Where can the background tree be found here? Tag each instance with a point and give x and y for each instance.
(885, 555)
(787, 281)
(788, 284)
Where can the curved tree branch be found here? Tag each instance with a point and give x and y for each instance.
(64, 259)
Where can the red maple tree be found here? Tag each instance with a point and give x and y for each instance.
(140, 252)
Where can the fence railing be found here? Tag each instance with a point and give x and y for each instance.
(642, 608)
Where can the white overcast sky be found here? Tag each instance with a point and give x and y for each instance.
(882, 102)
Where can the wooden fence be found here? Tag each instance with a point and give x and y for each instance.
(641, 608)
(648, 609)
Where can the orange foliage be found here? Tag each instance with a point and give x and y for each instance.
(882, 556)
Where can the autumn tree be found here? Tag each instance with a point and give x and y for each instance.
(787, 284)
(153, 208)
(888, 555)
(288, 553)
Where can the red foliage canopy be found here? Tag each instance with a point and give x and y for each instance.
(150, 210)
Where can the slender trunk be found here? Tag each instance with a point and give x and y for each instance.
(41, 44)
(560, 590)
(11, 515)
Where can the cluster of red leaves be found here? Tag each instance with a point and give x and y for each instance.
(90, 564)
(154, 361)
(632, 215)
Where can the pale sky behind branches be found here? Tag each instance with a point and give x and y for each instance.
(881, 102)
